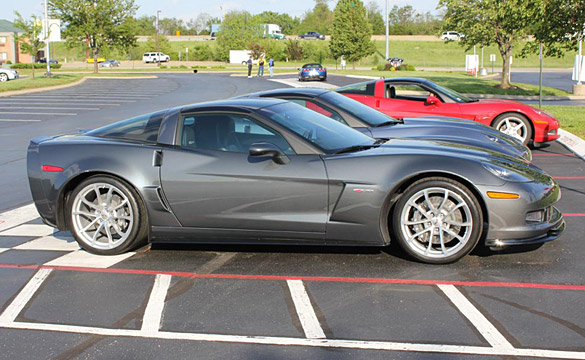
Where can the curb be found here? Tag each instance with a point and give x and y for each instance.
(491, 96)
(75, 83)
(572, 142)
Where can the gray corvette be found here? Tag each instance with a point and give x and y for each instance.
(268, 171)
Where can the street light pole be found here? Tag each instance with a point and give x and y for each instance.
(157, 39)
(47, 52)
(387, 30)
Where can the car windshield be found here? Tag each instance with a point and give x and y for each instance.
(312, 66)
(327, 134)
(362, 112)
(452, 94)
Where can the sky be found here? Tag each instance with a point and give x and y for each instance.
(187, 9)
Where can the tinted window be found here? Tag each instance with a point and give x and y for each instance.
(312, 66)
(325, 133)
(321, 109)
(365, 88)
(227, 132)
(360, 111)
(141, 128)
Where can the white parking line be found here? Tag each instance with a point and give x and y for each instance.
(50, 243)
(36, 113)
(32, 230)
(49, 108)
(24, 296)
(58, 101)
(305, 310)
(20, 120)
(477, 319)
(156, 304)
(85, 259)
(3, 249)
(21, 215)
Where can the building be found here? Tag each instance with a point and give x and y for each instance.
(9, 49)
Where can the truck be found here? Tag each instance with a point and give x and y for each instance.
(273, 31)
(312, 35)
(239, 56)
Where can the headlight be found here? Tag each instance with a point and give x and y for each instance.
(506, 172)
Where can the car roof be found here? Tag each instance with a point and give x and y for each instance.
(311, 64)
(407, 79)
(245, 104)
(308, 92)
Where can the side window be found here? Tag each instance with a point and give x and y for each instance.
(321, 109)
(406, 92)
(227, 132)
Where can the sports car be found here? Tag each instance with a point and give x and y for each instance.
(268, 171)
(401, 97)
(379, 125)
(312, 72)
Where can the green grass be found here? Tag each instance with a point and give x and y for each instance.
(572, 118)
(460, 82)
(38, 82)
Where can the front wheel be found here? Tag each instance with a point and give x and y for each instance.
(3, 77)
(106, 216)
(515, 125)
(437, 221)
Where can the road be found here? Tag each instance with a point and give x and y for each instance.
(255, 302)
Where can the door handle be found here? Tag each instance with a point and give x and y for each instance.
(157, 158)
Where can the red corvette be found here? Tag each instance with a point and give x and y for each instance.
(415, 97)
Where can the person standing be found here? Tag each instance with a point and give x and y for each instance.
(249, 62)
(261, 66)
(271, 66)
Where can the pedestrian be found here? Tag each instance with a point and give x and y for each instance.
(342, 64)
(260, 67)
(271, 66)
(249, 62)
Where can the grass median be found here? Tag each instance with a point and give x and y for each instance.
(572, 118)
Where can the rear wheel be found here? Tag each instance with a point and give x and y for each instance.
(515, 125)
(106, 216)
(3, 77)
(437, 221)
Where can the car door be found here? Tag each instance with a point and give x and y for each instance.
(410, 100)
(211, 181)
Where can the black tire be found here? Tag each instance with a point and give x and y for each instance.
(3, 77)
(120, 213)
(524, 133)
(450, 213)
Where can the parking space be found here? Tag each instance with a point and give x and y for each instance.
(250, 302)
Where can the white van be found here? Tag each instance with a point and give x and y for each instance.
(153, 57)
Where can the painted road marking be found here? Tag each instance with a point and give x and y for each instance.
(3, 249)
(50, 243)
(36, 113)
(29, 230)
(298, 84)
(477, 319)
(573, 214)
(18, 216)
(83, 258)
(568, 177)
(305, 310)
(24, 296)
(156, 303)
(48, 108)
(19, 120)
(60, 102)
(57, 101)
(568, 154)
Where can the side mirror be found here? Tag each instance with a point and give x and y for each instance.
(432, 100)
(265, 149)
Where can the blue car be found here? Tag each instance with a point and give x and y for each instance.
(313, 71)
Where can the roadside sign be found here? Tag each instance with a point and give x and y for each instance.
(492, 57)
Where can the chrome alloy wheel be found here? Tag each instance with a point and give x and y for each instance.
(436, 223)
(102, 216)
(515, 127)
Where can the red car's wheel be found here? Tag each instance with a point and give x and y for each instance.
(515, 125)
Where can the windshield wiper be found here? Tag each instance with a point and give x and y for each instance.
(355, 148)
(386, 123)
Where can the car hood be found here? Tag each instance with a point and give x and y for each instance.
(499, 101)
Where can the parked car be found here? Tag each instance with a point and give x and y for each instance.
(8, 74)
(155, 57)
(270, 171)
(44, 61)
(99, 60)
(379, 125)
(312, 35)
(413, 97)
(110, 63)
(314, 71)
(451, 36)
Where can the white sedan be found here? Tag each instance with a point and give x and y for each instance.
(8, 74)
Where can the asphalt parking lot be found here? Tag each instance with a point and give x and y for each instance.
(254, 302)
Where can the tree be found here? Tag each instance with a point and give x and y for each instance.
(144, 25)
(485, 22)
(200, 23)
(294, 51)
(559, 26)
(375, 18)
(97, 24)
(351, 34)
(237, 30)
(319, 19)
(29, 40)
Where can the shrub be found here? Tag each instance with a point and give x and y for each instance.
(37, 66)
(406, 67)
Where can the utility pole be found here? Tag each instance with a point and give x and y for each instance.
(47, 52)
(387, 31)
(157, 39)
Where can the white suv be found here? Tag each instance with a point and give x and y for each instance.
(451, 36)
(155, 57)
